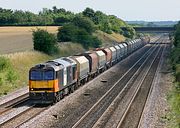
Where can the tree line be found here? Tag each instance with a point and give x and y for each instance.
(174, 97)
(52, 16)
(55, 16)
(176, 52)
(77, 28)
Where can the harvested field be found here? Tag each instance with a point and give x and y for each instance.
(16, 39)
(19, 39)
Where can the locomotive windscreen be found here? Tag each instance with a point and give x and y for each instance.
(41, 75)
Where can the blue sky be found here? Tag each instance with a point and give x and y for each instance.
(149, 10)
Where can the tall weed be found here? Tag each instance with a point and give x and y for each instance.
(4, 63)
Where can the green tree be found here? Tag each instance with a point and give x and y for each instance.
(175, 95)
(6, 16)
(83, 38)
(70, 32)
(130, 32)
(99, 17)
(84, 22)
(177, 35)
(45, 42)
(106, 26)
(116, 24)
(67, 33)
(87, 40)
(88, 12)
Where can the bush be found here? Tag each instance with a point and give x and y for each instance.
(11, 76)
(130, 32)
(83, 38)
(7, 70)
(4, 63)
(1, 81)
(174, 100)
(175, 56)
(177, 35)
(96, 42)
(71, 32)
(45, 42)
(105, 26)
(177, 72)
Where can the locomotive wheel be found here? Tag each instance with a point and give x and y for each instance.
(72, 88)
(75, 86)
(57, 98)
(61, 95)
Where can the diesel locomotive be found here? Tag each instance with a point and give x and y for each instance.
(51, 81)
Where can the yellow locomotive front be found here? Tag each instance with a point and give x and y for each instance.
(43, 83)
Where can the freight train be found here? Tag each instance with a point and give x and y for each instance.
(49, 82)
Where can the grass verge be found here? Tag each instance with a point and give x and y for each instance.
(14, 74)
(174, 97)
(174, 101)
(14, 68)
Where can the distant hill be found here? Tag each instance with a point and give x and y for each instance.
(152, 23)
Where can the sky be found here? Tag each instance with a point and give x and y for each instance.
(128, 10)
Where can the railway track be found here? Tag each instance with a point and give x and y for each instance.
(90, 118)
(33, 110)
(7, 106)
(18, 111)
(120, 104)
(134, 110)
(24, 116)
(14, 101)
(152, 86)
(120, 108)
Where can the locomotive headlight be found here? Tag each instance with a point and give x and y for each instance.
(31, 89)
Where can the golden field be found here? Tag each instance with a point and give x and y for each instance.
(19, 39)
(15, 39)
(17, 46)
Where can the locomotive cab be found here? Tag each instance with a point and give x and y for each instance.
(44, 82)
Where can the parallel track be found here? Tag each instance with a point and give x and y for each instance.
(34, 110)
(7, 106)
(95, 112)
(24, 116)
(151, 88)
(141, 92)
(115, 111)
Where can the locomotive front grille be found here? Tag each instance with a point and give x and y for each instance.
(41, 89)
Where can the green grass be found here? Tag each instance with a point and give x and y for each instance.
(109, 38)
(14, 75)
(8, 76)
(174, 97)
(14, 68)
(174, 101)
